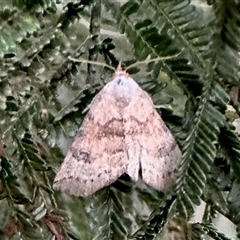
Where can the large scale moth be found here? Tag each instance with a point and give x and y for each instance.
(121, 133)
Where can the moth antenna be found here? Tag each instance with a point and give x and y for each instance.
(146, 61)
(91, 62)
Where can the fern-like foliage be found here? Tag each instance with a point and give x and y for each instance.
(42, 95)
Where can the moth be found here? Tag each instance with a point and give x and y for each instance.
(121, 133)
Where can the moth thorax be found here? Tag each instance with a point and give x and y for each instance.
(124, 87)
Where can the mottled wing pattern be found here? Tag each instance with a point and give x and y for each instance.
(152, 150)
(122, 133)
(98, 155)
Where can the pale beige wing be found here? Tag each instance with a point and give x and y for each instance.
(153, 152)
(98, 154)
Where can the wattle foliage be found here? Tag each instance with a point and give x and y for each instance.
(42, 95)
